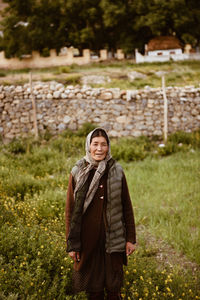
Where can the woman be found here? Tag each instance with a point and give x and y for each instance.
(100, 226)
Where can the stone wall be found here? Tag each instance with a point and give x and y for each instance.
(122, 113)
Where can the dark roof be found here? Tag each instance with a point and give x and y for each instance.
(163, 43)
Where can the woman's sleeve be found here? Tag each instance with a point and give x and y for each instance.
(128, 213)
(69, 204)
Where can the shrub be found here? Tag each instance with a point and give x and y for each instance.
(17, 146)
(73, 79)
(67, 133)
(49, 204)
(180, 141)
(131, 149)
(18, 185)
(21, 145)
(60, 70)
(187, 138)
(69, 146)
(42, 161)
(65, 69)
(85, 129)
(39, 268)
(46, 135)
(23, 185)
(167, 149)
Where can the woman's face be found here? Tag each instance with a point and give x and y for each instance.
(98, 148)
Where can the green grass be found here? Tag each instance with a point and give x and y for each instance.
(164, 187)
(166, 196)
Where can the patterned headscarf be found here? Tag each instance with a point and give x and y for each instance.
(100, 167)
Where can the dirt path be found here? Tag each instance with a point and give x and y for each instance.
(166, 254)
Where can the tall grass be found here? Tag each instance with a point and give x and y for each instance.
(166, 196)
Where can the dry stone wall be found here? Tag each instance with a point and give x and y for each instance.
(120, 112)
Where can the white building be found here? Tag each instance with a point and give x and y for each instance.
(162, 48)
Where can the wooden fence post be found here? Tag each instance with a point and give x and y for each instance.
(34, 108)
(165, 109)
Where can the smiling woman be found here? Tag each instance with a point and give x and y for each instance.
(100, 227)
(98, 148)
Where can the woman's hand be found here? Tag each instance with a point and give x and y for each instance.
(130, 248)
(75, 256)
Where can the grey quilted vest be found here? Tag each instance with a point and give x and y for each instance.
(115, 229)
(115, 235)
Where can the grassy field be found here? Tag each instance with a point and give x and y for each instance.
(164, 187)
(176, 73)
(166, 194)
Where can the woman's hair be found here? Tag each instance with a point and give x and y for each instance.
(99, 132)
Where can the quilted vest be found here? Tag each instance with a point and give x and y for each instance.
(115, 229)
(115, 234)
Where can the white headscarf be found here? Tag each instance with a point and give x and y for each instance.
(84, 172)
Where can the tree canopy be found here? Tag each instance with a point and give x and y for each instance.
(42, 25)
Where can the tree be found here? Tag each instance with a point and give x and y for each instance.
(122, 22)
(179, 17)
(85, 24)
(46, 29)
(14, 27)
(188, 23)
(32, 25)
(51, 24)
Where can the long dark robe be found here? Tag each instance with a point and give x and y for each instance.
(98, 269)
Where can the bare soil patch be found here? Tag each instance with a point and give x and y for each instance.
(166, 254)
